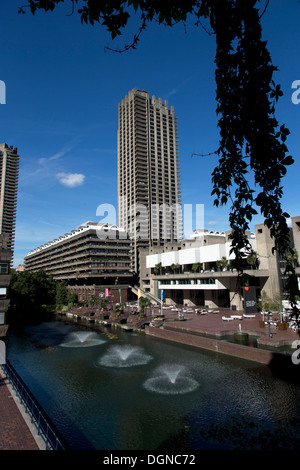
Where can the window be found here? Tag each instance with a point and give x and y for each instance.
(2, 318)
(2, 291)
(3, 268)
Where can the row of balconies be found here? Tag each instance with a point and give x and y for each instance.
(82, 253)
(201, 281)
(92, 274)
(84, 249)
(4, 305)
(5, 277)
(45, 257)
(66, 265)
(70, 259)
(87, 269)
(67, 245)
(188, 275)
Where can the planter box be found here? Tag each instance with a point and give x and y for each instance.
(261, 324)
(282, 326)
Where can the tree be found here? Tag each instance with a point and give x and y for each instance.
(61, 293)
(264, 302)
(72, 299)
(196, 267)
(157, 268)
(103, 303)
(222, 263)
(252, 141)
(30, 296)
(92, 300)
(292, 257)
(175, 267)
(252, 259)
(144, 302)
(119, 308)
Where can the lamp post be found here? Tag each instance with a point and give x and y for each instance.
(269, 323)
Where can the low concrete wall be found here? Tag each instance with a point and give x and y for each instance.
(231, 349)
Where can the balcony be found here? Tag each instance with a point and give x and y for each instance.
(3, 330)
(212, 274)
(4, 303)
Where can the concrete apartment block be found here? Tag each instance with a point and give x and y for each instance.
(296, 234)
(5, 260)
(268, 260)
(189, 272)
(9, 174)
(149, 202)
(92, 259)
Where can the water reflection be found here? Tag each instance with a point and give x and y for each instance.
(132, 391)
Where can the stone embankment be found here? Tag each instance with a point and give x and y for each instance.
(204, 328)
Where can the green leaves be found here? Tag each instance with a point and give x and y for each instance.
(134, 4)
(250, 138)
(28, 293)
(275, 91)
(288, 160)
(46, 5)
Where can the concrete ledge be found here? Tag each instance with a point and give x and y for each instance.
(231, 349)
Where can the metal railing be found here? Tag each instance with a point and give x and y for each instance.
(37, 415)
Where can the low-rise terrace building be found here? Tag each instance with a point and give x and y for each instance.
(94, 259)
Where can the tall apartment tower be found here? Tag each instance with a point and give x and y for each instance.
(149, 201)
(9, 175)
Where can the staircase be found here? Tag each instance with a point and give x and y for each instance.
(135, 290)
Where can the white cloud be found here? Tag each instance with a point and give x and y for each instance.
(177, 88)
(212, 222)
(70, 180)
(66, 149)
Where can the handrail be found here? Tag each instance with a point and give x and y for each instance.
(38, 416)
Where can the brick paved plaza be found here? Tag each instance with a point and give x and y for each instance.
(15, 434)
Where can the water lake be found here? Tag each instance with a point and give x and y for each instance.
(112, 389)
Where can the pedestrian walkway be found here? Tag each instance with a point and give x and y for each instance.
(15, 432)
(214, 324)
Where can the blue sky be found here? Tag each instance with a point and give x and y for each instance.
(61, 111)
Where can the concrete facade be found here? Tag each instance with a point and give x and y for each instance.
(5, 260)
(9, 175)
(267, 260)
(94, 259)
(296, 233)
(189, 272)
(149, 202)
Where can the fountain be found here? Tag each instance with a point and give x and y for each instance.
(78, 339)
(171, 380)
(124, 356)
(240, 336)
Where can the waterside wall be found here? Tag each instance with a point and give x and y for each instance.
(261, 356)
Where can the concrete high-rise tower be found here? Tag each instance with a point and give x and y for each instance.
(149, 201)
(9, 175)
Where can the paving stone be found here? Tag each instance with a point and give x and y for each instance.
(14, 431)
